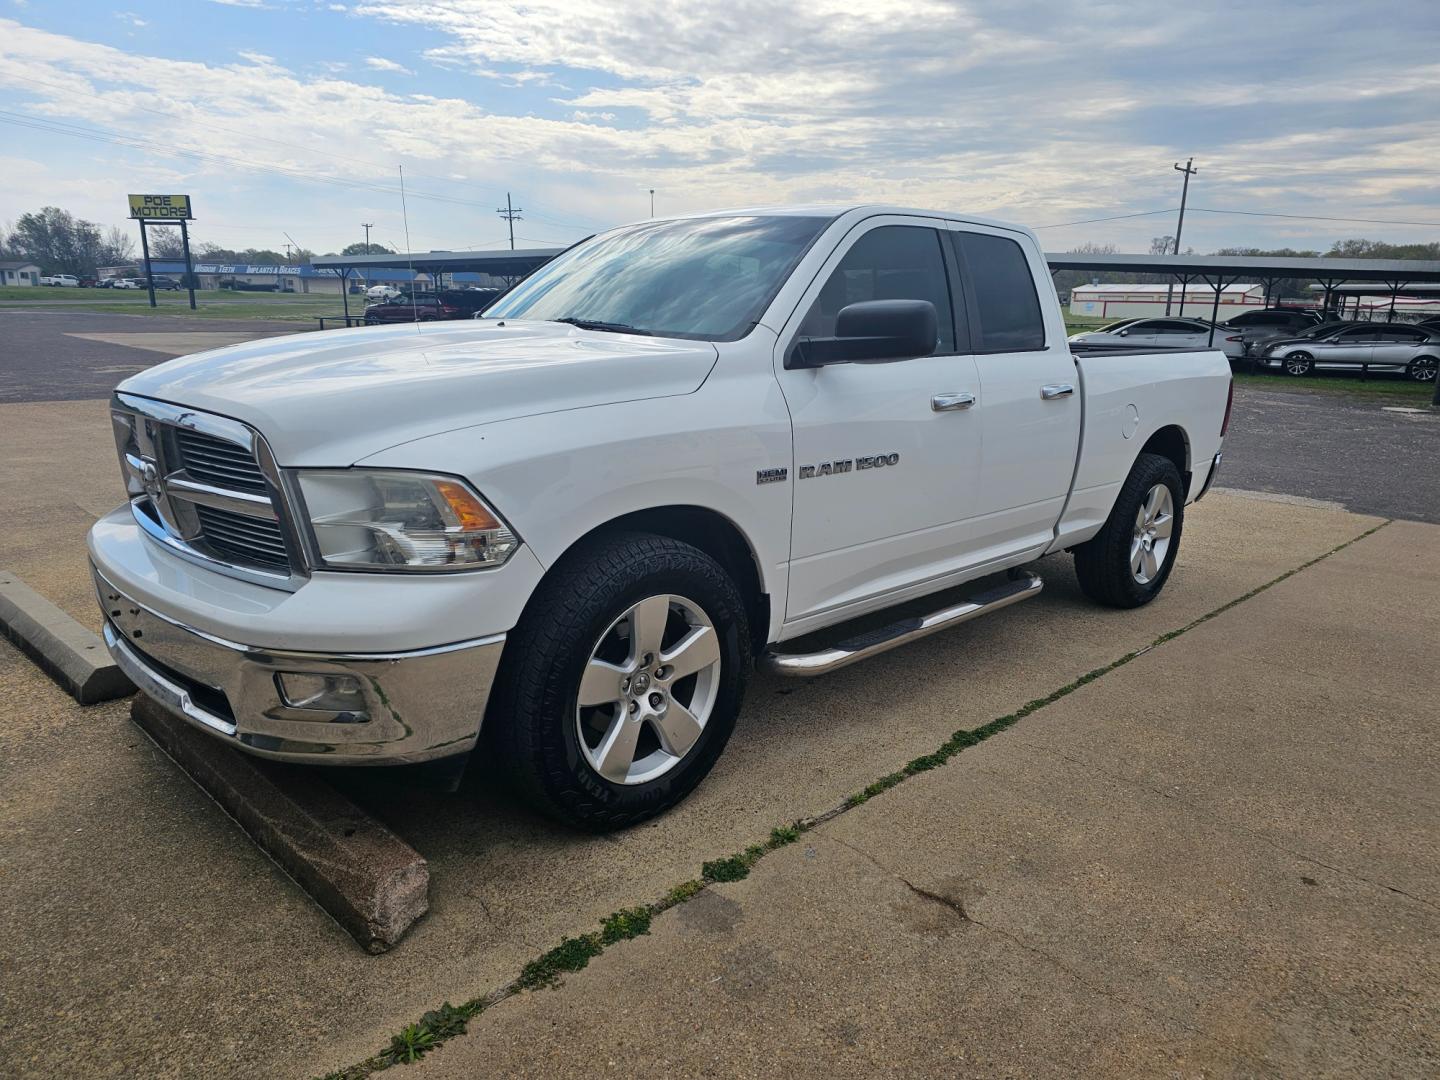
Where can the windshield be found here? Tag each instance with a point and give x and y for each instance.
(702, 278)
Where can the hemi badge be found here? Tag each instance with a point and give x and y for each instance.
(771, 476)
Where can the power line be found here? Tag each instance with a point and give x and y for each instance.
(1117, 217)
(1316, 217)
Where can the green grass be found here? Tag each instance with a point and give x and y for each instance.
(1392, 388)
(210, 303)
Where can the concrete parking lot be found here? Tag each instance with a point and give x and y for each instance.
(1217, 858)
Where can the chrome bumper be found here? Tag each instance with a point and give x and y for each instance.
(410, 706)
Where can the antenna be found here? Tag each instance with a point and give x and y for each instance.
(409, 255)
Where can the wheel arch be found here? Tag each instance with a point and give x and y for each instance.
(713, 533)
(1171, 441)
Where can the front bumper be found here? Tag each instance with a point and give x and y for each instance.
(411, 706)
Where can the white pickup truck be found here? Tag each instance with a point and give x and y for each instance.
(575, 525)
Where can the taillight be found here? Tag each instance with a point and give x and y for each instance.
(1235, 337)
(448, 310)
(1229, 401)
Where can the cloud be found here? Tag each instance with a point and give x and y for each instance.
(131, 18)
(1022, 110)
(379, 63)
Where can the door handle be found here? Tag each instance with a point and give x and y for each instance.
(951, 402)
(1056, 390)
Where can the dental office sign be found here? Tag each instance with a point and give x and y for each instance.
(160, 208)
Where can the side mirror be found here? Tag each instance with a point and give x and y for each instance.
(1124, 333)
(873, 330)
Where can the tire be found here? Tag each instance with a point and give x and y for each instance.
(371, 322)
(583, 618)
(1105, 564)
(1423, 368)
(1299, 364)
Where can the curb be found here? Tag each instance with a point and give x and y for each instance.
(369, 880)
(70, 654)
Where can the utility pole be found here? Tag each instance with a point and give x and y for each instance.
(367, 226)
(1189, 171)
(512, 215)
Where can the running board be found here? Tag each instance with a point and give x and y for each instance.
(1023, 586)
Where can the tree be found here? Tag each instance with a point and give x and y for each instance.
(362, 248)
(165, 242)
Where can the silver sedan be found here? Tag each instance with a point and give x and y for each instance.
(1399, 347)
(1166, 333)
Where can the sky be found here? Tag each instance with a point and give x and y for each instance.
(292, 119)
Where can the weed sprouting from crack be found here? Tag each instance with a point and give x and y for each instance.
(574, 954)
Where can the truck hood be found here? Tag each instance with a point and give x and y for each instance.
(334, 397)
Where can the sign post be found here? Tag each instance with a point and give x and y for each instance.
(164, 209)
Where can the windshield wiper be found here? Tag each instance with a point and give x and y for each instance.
(610, 327)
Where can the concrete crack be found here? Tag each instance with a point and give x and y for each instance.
(1233, 826)
(958, 909)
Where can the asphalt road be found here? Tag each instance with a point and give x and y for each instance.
(43, 358)
(1352, 452)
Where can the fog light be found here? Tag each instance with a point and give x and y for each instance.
(322, 693)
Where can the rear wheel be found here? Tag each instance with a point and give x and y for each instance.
(1299, 364)
(1423, 368)
(1128, 562)
(621, 685)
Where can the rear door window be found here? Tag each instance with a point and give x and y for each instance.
(1005, 313)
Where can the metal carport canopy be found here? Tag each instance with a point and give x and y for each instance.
(1404, 271)
(504, 263)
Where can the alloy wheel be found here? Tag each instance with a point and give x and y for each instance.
(648, 689)
(1154, 522)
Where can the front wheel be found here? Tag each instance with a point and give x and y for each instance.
(1299, 364)
(1423, 368)
(620, 686)
(1128, 561)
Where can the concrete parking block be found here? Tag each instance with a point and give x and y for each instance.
(69, 653)
(373, 883)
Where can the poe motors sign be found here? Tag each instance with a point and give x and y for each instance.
(164, 210)
(161, 208)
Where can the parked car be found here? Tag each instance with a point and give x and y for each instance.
(65, 281)
(163, 283)
(1166, 333)
(127, 283)
(1266, 323)
(1383, 346)
(430, 307)
(106, 283)
(382, 292)
(1272, 318)
(1429, 324)
(678, 447)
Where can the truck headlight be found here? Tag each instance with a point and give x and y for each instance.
(371, 519)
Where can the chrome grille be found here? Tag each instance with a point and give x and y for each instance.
(215, 461)
(204, 486)
(246, 539)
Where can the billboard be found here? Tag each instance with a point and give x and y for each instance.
(161, 207)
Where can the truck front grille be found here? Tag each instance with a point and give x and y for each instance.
(197, 485)
(215, 461)
(242, 538)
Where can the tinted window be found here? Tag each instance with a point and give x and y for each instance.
(1007, 308)
(1172, 327)
(707, 278)
(1401, 334)
(893, 262)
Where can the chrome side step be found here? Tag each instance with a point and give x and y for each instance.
(1023, 586)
